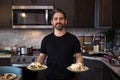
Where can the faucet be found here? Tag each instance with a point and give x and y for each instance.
(102, 45)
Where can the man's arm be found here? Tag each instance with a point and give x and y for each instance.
(41, 58)
(79, 58)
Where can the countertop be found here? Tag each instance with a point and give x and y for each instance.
(5, 55)
(115, 69)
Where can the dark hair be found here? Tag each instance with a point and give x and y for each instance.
(59, 11)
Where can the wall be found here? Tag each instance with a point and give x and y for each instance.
(33, 37)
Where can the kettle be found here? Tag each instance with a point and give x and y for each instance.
(22, 50)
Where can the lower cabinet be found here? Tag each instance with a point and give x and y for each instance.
(5, 61)
(32, 75)
(98, 71)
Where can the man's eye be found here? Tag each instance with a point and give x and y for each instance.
(61, 18)
(55, 18)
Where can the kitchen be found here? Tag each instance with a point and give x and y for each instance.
(84, 24)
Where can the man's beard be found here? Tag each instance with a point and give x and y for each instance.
(59, 26)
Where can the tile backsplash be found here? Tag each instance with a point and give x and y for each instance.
(33, 37)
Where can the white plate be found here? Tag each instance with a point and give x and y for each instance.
(44, 67)
(5, 77)
(86, 68)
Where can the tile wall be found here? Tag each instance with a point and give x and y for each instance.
(33, 37)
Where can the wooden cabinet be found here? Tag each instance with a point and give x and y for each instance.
(84, 13)
(68, 7)
(81, 13)
(5, 61)
(116, 14)
(23, 2)
(33, 2)
(5, 14)
(93, 13)
(45, 2)
(105, 13)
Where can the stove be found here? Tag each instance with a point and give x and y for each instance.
(22, 61)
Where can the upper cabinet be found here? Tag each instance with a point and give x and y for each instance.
(68, 7)
(93, 13)
(116, 14)
(5, 14)
(105, 15)
(44, 2)
(84, 13)
(23, 2)
(32, 2)
(80, 13)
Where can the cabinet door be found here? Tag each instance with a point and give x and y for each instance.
(23, 2)
(105, 13)
(5, 14)
(84, 13)
(33, 2)
(116, 14)
(68, 7)
(45, 2)
(5, 62)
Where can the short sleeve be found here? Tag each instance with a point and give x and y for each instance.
(77, 46)
(43, 48)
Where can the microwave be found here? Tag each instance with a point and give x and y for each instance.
(24, 17)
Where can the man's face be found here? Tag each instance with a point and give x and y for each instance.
(58, 21)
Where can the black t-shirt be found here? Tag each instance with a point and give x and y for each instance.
(60, 51)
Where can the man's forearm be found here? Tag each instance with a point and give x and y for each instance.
(41, 58)
(79, 58)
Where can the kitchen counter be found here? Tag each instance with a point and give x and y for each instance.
(5, 55)
(115, 69)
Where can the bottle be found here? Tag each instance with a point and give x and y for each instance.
(96, 48)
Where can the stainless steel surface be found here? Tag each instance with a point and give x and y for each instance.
(31, 26)
(22, 61)
(27, 24)
(32, 7)
(46, 16)
(22, 50)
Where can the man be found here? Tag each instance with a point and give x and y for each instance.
(60, 47)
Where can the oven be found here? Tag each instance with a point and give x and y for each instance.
(22, 62)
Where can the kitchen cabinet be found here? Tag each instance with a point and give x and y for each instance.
(115, 14)
(23, 2)
(5, 14)
(84, 13)
(68, 7)
(33, 2)
(45, 2)
(97, 71)
(5, 61)
(105, 13)
(93, 13)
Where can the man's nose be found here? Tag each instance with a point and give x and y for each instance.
(58, 20)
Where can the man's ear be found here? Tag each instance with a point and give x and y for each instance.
(51, 22)
(66, 21)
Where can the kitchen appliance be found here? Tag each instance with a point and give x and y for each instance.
(22, 50)
(22, 61)
(31, 17)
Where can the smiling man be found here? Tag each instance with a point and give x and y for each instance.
(60, 47)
